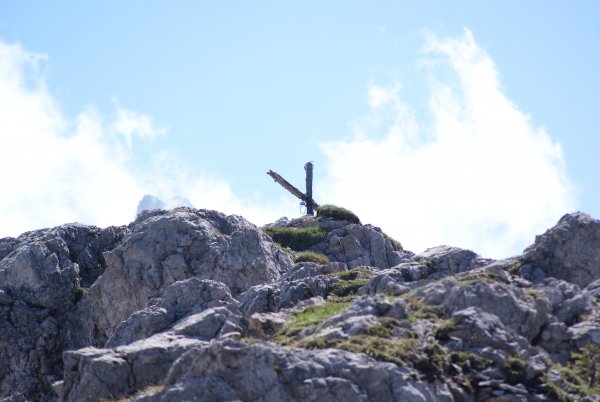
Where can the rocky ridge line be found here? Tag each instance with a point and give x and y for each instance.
(196, 305)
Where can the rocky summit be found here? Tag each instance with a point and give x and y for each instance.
(195, 305)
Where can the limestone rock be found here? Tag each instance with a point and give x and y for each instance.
(265, 372)
(519, 311)
(357, 245)
(165, 247)
(186, 305)
(570, 250)
(41, 278)
(450, 260)
(93, 374)
(178, 300)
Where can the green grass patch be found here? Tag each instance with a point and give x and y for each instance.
(297, 239)
(394, 350)
(310, 256)
(431, 361)
(348, 287)
(312, 316)
(419, 309)
(384, 327)
(569, 384)
(349, 281)
(513, 269)
(337, 213)
(586, 363)
(533, 293)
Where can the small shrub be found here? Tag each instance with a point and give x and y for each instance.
(587, 364)
(442, 332)
(79, 292)
(394, 350)
(514, 268)
(396, 245)
(568, 384)
(337, 213)
(435, 361)
(349, 281)
(348, 287)
(384, 327)
(514, 369)
(313, 342)
(310, 256)
(533, 293)
(424, 311)
(298, 239)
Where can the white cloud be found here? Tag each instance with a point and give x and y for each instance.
(379, 95)
(54, 170)
(130, 124)
(57, 170)
(479, 176)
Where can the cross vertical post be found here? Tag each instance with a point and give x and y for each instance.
(309, 177)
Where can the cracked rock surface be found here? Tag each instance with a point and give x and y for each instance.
(197, 305)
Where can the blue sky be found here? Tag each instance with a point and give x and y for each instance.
(464, 123)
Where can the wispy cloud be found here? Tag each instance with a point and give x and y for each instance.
(131, 124)
(479, 175)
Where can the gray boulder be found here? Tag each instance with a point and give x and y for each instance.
(480, 329)
(447, 260)
(302, 281)
(41, 278)
(46, 267)
(228, 370)
(569, 251)
(178, 300)
(388, 281)
(357, 245)
(93, 374)
(165, 247)
(522, 312)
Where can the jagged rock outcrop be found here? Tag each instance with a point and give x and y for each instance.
(357, 245)
(42, 274)
(163, 248)
(265, 372)
(178, 300)
(196, 305)
(570, 250)
(93, 374)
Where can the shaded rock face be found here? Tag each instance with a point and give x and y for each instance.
(41, 278)
(570, 250)
(196, 305)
